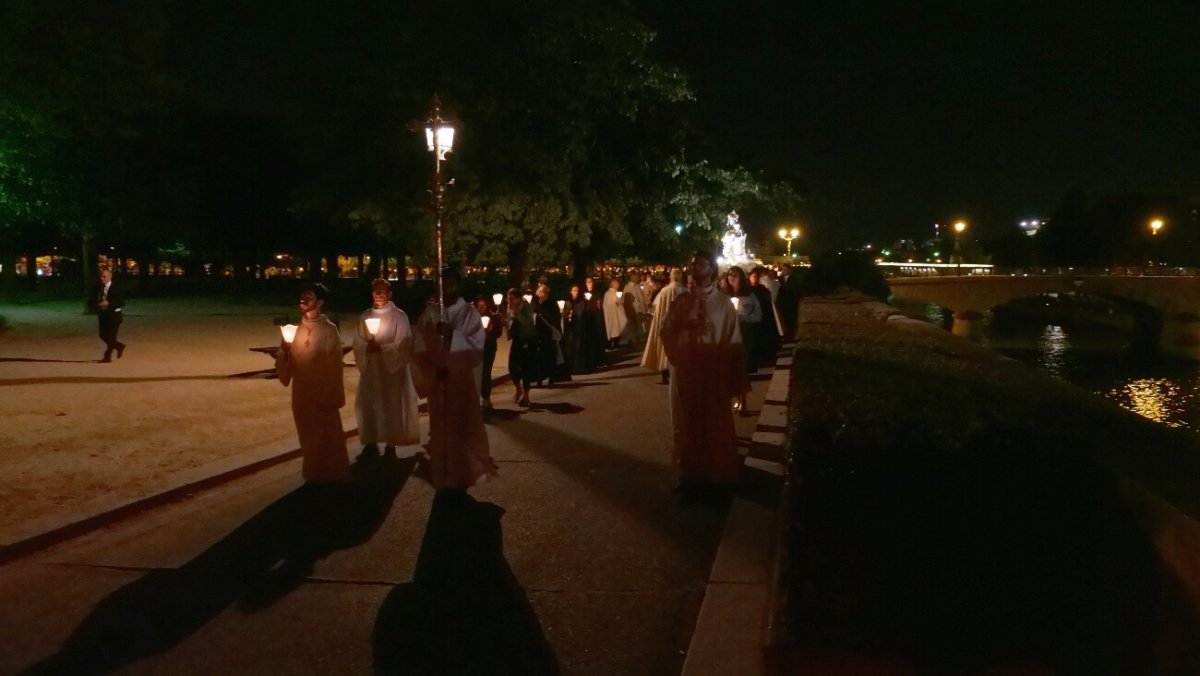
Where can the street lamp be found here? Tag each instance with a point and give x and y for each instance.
(1155, 226)
(788, 235)
(958, 230)
(439, 138)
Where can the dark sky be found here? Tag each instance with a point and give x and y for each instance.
(894, 116)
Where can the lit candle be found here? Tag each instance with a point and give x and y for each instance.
(561, 304)
(486, 320)
(528, 297)
(373, 325)
(735, 300)
(619, 294)
(497, 298)
(289, 333)
(587, 295)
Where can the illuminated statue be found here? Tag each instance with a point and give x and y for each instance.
(733, 242)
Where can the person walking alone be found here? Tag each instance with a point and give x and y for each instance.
(109, 305)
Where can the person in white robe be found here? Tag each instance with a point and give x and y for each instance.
(386, 403)
(636, 308)
(615, 319)
(654, 357)
(649, 287)
(447, 352)
(312, 365)
(708, 370)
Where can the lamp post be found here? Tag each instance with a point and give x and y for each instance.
(958, 230)
(788, 235)
(439, 138)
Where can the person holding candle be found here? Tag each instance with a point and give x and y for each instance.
(636, 308)
(615, 319)
(447, 349)
(593, 321)
(492, 328)
(551, 365)
(704, 345)
(522, 347)
(749, 315)
(386, 403)
(311, 363)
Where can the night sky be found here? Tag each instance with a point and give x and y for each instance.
(894, 116)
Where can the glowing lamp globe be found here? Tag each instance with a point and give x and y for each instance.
(373, 325)
(439, 137)
(289, 333)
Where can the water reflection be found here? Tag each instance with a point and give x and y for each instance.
(1052, 348)
(1153, 398)
(1101, 359)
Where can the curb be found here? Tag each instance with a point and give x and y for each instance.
(36, 543)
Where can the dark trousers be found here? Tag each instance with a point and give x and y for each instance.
(485, 380)
(110, 323)
(522, 364)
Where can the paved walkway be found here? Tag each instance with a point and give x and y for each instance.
(578, 556)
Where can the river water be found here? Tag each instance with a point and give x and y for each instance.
(1096, 358)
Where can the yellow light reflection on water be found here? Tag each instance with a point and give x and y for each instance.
(1053, 347)
(1153, 398)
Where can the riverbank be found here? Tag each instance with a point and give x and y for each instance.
(952, 509)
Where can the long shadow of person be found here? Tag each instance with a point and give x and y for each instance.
(464, 612)
(259, 562)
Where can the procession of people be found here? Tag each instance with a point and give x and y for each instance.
(702, 336)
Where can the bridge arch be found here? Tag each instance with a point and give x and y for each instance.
(1169, 321)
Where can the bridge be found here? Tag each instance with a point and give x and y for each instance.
(1166, 308)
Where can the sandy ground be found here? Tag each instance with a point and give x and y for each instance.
(187, 400)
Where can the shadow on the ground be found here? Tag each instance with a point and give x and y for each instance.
(258, 563)
(464, 612)
(48, 361)
(574, 385)
(82, 380)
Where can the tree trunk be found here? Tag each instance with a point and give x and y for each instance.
(581, 261)
(8, 268)
(332, 271)
(87, 259)
(518, 271)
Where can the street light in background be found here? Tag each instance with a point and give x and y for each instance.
(787, 235)
(958, 231)
(1155, 226)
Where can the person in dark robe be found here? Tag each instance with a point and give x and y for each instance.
(522, 349)
(766, 343)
